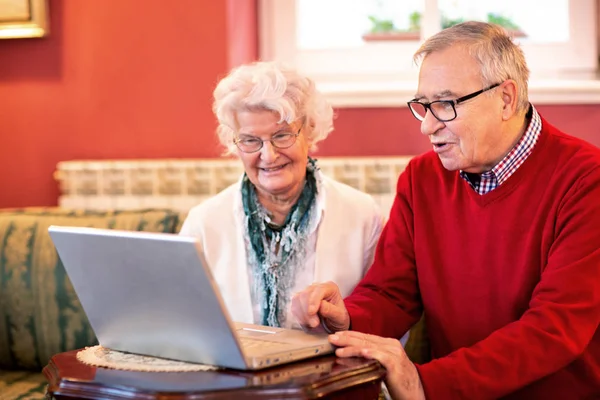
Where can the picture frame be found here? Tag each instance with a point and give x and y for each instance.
(23, 19)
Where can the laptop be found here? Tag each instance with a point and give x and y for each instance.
(153, 294)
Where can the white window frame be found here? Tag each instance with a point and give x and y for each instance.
(381, 74)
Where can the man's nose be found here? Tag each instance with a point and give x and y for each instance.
(430, 124)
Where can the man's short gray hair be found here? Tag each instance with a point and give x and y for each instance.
(492, 48)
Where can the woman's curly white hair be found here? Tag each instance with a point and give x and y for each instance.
(271, 86)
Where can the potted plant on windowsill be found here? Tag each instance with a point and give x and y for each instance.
(513, 29)
(384, 29)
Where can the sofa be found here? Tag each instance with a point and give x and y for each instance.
(40, 314)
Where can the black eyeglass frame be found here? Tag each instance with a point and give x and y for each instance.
(452, 103)
(262, 142)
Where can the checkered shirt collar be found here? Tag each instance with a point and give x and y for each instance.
(490, 180)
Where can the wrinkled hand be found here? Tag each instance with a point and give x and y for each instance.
(321, 302)
(402, 379)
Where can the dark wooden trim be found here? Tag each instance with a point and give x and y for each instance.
(320, 378)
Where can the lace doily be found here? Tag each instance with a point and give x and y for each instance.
(99, 356)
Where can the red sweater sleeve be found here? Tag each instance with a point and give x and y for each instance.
(390, 286)
(562, 318)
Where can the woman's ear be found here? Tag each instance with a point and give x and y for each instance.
(509, 99)
(307, 132)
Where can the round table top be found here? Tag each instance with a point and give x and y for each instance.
(320, 377)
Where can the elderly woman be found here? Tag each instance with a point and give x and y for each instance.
(283, 225)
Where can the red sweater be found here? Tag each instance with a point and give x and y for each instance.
(509, 281)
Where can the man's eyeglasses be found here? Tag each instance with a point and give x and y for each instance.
(442, 110)
(251, 144)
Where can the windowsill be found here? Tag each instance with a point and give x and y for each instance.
(397, 93)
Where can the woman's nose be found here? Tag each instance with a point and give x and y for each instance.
(268, 151)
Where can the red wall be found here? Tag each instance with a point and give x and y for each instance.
(115, 79)
(133, 79)
(394, 131)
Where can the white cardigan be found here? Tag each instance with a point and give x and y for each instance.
(343, 245)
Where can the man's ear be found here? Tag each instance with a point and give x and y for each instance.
(509, 98)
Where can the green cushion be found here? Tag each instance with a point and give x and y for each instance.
(417, 347)
(22, 385)
(40, 314)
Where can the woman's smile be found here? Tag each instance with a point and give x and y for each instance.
(273, 170)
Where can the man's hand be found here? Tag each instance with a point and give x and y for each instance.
(321, 302)
(402, 379)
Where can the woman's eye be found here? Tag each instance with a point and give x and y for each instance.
(249, 141)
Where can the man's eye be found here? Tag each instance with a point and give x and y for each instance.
(442, 105)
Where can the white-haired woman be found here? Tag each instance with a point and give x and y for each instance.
(283, 225)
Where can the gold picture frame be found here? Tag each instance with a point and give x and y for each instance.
(23, 19)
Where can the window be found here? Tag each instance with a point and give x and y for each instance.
(360, 51)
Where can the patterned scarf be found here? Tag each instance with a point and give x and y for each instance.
(276, 253)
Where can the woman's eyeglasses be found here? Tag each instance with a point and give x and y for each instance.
(251, 144)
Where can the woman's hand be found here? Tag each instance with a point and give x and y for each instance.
(402, 379)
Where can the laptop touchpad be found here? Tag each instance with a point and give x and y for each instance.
(254, 332)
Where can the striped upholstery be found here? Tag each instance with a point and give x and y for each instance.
(40, 314)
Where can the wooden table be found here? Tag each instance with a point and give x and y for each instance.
(326, 377)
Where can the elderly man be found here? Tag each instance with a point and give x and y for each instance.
(494, 235)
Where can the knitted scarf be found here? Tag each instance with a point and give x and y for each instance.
(275, 253)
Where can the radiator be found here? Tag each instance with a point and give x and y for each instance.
(180, 184)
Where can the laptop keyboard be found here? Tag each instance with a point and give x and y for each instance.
(257, 344)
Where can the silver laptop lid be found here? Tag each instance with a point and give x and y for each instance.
(149, 293)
